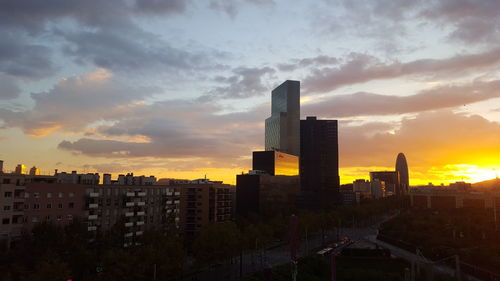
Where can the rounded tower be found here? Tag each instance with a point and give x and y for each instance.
(402, 169)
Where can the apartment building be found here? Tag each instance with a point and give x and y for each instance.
(137, 207)
(203, 202)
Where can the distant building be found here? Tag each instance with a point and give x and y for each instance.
(34, 171)
(389, 178)
(403, 177)
(378, 189)
(75, 178)
(363, 188)
(347, 195)
(446, 198)
(275, 163)
(282, 129)
(20, 169)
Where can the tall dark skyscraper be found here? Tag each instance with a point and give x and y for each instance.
(283, 127)
(319, 161)
(402, 170)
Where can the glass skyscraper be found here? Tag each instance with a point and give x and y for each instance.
(283, 127)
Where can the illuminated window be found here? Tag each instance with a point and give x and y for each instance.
(49, 195)
(71, 194)
(36, 194)
(35, 219)
(60, 195)
(26, 195)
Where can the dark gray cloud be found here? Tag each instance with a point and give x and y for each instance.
(19, 57)
(8, 87)
(75, 102)
(472, 21)
(132, 51)
(168, 134)
(360, 68)
(308, 62)
(103, 33)
(362, 104)
(33, 15)
(244, 82)
(231, 7)
(469, 21)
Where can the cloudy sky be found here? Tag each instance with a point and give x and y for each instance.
(181, 88)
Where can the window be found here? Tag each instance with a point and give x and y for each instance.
(71, 194)
(6, 208)
(26, 206)
(36, 206)
(59, 217)
(8, 194)
(49, 195)
(49, 206)
(47, 218)
(60, 205)
(60, 195)
(69, 217)
(26, 195)
(36, 194)
(71, 205)
(6, 221)
(35, 219)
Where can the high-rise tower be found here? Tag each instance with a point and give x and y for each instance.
(282, 132)
(402, 170)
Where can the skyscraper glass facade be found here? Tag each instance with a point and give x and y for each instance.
(282, 131)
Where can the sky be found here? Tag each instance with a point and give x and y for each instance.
(181, 88)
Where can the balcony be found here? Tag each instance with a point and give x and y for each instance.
(92, 228)
(93, 206)
(140, 223)
(129, 214)
(94, 194)
(141, 203)
(130, 194)
(92, 217)
(129, 224)
(141, 194)
(129, 204)
(141, 213)
(138, 233)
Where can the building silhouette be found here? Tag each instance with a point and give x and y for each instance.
(402, 170)
(319, 162)
(282, 129)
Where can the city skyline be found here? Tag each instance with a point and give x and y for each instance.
(180, 89)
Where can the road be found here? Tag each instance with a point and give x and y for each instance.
(257, 261)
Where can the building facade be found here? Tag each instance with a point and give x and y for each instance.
(282, 129)
(319, 163)
(203, 202)
(275, 163)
